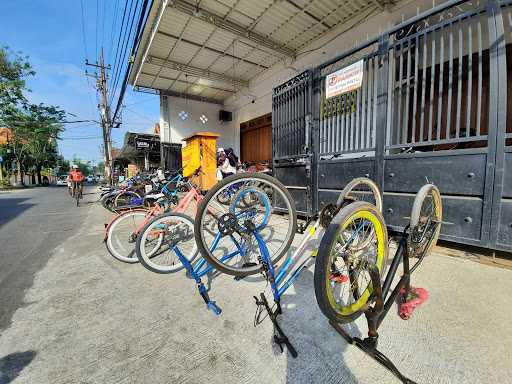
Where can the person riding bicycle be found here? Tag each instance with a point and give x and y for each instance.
(77, 179)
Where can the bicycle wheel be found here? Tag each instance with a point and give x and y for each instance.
(124, 198)
(108, 200)
(356, 237)
(227, 236)
(174, 234)
(361, 189)
(425, 223)
(122, 235)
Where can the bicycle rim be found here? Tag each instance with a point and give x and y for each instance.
(425, 223)
(122, 235)
(173, 233)
(223, 233)
(360, 189)
(356, 238)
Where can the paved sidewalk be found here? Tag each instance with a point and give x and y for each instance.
(89, 318)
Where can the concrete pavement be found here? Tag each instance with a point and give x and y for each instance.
(88, 318)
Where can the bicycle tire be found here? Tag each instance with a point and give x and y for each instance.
(323, 275)
(146, 259)
(417, 218)
(116, 247)
(212, 193)
(346, 192)
(118, 201)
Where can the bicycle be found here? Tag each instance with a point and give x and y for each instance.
(353, 253)
(76, 192)
(121, 233)
(179, 250)
(358, 191)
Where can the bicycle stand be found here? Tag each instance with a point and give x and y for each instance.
(369, 346)
(280, 337)
(409, 297)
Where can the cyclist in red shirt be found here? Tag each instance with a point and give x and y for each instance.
(77, 178)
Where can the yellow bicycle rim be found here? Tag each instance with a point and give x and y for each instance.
(346, 310)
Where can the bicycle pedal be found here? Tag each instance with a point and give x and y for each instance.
(415, 297)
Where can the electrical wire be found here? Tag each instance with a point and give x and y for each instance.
(83, 28)
(114, 24)
(122, 51)
(142, 19)
(121, 27)
(97, 22)
(125, 48)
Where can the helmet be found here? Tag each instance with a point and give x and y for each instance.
(74, 166)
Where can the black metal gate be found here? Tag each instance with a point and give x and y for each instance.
(432, 106)
(291, 140)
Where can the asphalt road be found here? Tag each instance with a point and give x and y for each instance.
(33, 222)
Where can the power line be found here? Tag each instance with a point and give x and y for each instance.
(139, 114)
(97, 22)
(82, 138)
(114, 24)
(125, 49)
(103, 22)
(142, 17)
(83, 28)
(121, 27)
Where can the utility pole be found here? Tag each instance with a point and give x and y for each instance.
(104, 107)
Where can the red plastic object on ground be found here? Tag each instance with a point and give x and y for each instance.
(415, 298)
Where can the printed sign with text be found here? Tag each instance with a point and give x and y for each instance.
(344, 80)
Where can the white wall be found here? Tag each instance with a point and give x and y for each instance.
(256, 100)
(174, 129)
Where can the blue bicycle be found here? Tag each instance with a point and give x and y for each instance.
(266, 239)
(173, 235)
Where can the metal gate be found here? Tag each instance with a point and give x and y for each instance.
(501, 223)
(291, 140)
(432, 106)
(348, 126)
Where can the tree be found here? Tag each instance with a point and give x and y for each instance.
(46, 123)
(101, 167)
(14, 69)
(83, 165)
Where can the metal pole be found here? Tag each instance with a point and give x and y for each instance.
(106, 121)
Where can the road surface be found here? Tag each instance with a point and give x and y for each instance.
(73, 314)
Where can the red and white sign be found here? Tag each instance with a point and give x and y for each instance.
(344, 80)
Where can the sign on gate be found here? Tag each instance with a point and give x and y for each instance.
(344, 80)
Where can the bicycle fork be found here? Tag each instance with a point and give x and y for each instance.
(210, 304)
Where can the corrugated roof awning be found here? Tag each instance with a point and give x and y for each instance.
(212, 48)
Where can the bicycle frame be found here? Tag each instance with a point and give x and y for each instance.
(201, 268)
(384, 300)
(283, 278)
(182, 206)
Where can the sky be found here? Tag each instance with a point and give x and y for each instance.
(50, 33)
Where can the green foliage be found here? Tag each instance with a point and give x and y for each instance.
(101, 167)
(83, 165)
(35, 127)
(14, 69)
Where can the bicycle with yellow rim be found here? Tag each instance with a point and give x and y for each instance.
(351, 264)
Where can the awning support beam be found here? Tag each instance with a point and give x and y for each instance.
(230, 26)
(196, 72)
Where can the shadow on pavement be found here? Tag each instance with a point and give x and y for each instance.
(10, 207)
(12, 364)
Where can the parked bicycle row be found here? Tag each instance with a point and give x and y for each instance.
(246, 225)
